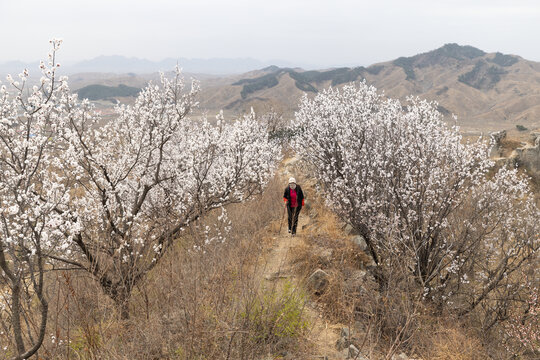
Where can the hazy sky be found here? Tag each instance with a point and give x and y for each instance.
(317, 32)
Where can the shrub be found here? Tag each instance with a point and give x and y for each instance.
(252, 85)
(503, 60)
(99, 92)
(482, 76)
(523, 328)
(277, 314)
(406, 63)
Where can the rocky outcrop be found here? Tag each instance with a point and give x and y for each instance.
(496, 149)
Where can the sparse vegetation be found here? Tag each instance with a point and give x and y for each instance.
(438, 56)
(503, 60)
(406, 63)
(303, 80)
(336, 76)
(375, 69)
(482, 76)
(252, 85)
(521, 128)
(277, 314)
(101, 92)
(442, 90)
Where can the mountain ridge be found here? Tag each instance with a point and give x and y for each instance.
(484, 90)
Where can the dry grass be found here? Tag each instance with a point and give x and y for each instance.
(211, 304)
(200, 302)
(450, 343)
(508, 145)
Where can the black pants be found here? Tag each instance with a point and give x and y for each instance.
(293, 217)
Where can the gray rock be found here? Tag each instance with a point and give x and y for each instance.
(345, 332)
(342, 343)
(354, 352)
(348, 229)
(359, 241)
(318, 281)
(401, 356)
(535, 138)
(355, 282)
(529, 158)
(359, 275)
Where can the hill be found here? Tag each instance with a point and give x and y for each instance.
(101, 92)
(486, 91)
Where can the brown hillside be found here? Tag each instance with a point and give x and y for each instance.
(485, 91)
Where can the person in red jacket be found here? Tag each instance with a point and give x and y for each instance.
(294, 200)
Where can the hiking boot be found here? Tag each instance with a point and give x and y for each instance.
(289, 231)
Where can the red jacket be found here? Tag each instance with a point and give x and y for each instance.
(299, 196)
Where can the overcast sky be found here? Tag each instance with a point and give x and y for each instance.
(316, 32)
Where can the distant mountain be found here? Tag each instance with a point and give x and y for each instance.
(16, 67)
(123, 65)
(485, 90)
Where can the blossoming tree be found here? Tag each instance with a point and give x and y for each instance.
(108, 197)
(33, 198)
(410, 186)
(143, 177)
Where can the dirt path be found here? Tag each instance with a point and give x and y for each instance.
(278, 269)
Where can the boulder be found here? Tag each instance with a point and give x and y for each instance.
(318, 281)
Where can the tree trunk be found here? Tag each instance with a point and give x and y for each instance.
(121, 294)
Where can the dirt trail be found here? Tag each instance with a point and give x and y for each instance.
(278, 269)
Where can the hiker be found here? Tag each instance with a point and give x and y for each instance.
(294, 200)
